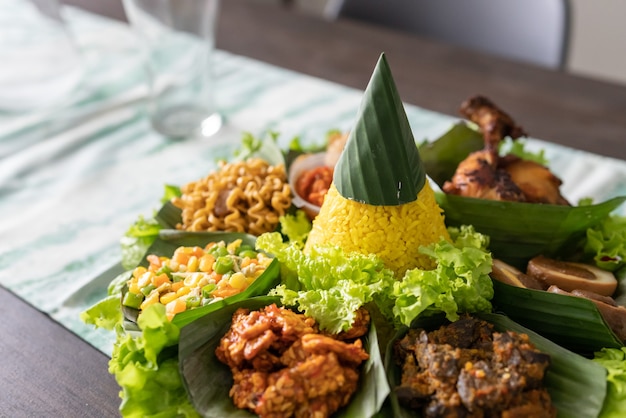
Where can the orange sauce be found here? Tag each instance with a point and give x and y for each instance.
(312, 185)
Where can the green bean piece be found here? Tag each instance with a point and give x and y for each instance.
(147, 289)
(248, 253)
(165, 269)
(242, 248)
(223, 265)
(192, 302)
(206, 290)
(218, 251)
(132, 300)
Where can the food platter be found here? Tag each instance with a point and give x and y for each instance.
(329, 278)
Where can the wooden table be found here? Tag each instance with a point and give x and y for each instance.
(45, 370)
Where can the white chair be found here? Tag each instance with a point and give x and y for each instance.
(535, 31)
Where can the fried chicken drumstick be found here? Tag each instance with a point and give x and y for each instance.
(486, 175)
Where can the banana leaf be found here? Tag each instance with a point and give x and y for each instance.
(380, 164)
(169, 240)
(520, 231)
(208, 380)
(169, 216)
(442, 156)
(577, 385)
(572, 322)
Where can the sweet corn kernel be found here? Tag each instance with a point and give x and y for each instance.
(183, 291)
(192, 279)
(202, 282)
(173, 265)
(164, 288)
(139, 271)
(192, 264)
(168, 297)
(151, 299)
(238, 280)
(234, 245)
(145, 279)
(134, 288)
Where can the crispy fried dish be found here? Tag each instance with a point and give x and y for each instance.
(486, 175)
(284, 367)
(466, 370)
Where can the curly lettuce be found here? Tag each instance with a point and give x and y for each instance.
(296, 227)
(328, 284)
(614, 360)
(606, 243)
(146, 368)
(459, 283)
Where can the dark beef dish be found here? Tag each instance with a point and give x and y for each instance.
(465, 369)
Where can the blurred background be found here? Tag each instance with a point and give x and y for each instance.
(597, 45)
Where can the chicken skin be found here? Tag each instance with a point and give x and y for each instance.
(484, 174)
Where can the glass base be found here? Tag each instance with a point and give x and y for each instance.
(186, 121)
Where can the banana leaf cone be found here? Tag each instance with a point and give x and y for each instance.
(380, 201)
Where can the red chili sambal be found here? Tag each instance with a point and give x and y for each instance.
(312, 185)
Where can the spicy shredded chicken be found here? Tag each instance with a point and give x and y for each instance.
(486, 175)
(284, 367)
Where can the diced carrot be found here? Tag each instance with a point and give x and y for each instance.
(160, 279)
(224, 292)
(205, 263)
(177, 285)
(174, 307)
(155, 261)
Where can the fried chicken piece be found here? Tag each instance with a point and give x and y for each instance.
(494, 123)
(479, 176)
(486, 175)
(537, 182)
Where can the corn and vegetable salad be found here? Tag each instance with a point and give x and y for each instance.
(195, 276)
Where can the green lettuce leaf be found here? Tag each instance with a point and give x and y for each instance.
(518, 148)
(266, 148)
(107, 313)
(459, 283)
(606, 243)
(137, 240)
(331, 285)
(104, 314)
(614, 360)
(146, 368)
(171, 191)
(296, 227)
